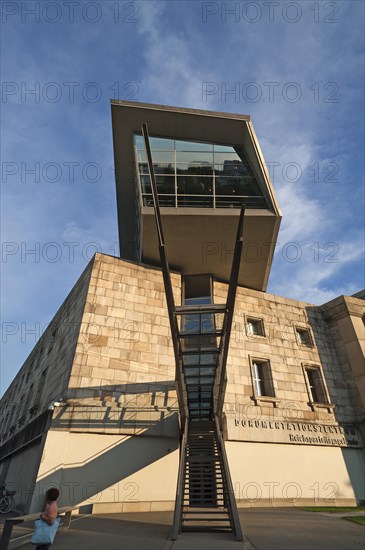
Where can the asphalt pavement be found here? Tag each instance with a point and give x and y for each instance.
(264, 529)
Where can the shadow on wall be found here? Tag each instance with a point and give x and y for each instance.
(123, 408)
(355, 464)
(156, 435)
(329, 356)
(331, 352)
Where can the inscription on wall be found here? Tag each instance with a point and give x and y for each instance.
(303, 433)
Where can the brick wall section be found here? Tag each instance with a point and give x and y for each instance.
(345, 315)
(124, 356)
(125, 334)
(280, 346)
(48, 365)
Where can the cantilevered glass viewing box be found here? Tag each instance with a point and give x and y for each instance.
(196, 174)
(207, 164)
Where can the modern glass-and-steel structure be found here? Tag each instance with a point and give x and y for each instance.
(207, 164)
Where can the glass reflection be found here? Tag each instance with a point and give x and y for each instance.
(194, 169)
(193, 146)
(165, 184)
(158, 168)
(235, 186)
(194, 185)
(162, 144)
(222, 158)
(223, 148)
(203, 175)
(194, 157)
(231, 168)
(168, 201)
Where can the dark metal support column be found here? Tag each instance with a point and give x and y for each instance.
(166, 278)
(228, 318)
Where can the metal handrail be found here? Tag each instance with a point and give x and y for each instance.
(200, 309)
(230, 492)
(227, 323)
(166, 276)
(180, 485)
(10, 522)
(219, 201)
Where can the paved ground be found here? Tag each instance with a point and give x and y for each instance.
(264, 528)
(295, 529)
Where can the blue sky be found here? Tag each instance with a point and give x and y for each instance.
(295, 67)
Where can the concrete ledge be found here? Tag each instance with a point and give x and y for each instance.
(129, 507)
(290, 503)
(169, 505)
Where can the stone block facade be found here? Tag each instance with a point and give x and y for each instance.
(107, 357)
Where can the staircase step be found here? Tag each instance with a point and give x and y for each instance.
(211, 514)
(196, 460)
(205, 493)
(205, 528)
(192, 505)
(225, 520)
(205, 509)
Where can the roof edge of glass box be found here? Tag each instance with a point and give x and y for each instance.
(207, 164)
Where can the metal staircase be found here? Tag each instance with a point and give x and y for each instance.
(200, 334)
(206, 499)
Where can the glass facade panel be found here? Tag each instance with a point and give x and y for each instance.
(232, 186)
(194, 169)
(231, 168)
(156, 143)
(141, 156)
(164, 157)
(194, 157)
(195, 185)
(165, 184)
(158, 168)
(145, 184)
(138, 141)
(193, 146)
(168, 201)
(228, 157)
(223, 148)
(205, 175)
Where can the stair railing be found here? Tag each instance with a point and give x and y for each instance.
(176, 529)
(229, 486)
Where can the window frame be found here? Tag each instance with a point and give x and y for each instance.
(188, 275)
(317, 404)
(248, 319)
(305, 329)
(255, 396)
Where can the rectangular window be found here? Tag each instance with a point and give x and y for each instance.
(316, 387)
(197, 290)
(255, 327)
(39, 391)
(304, 337)
(262, 379)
